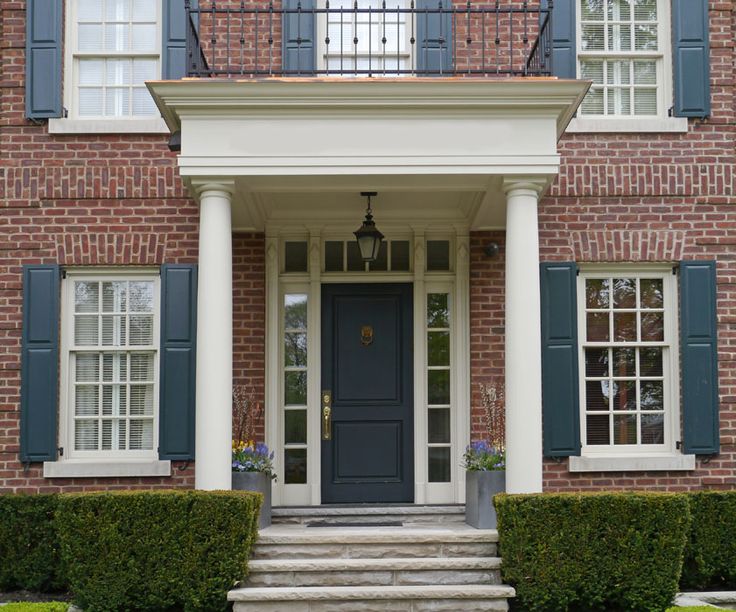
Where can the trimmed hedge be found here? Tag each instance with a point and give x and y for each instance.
(29, 550)
(710, 554)
(24, 606)
(600, 551)
(156, 550)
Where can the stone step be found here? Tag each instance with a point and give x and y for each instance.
(369, 514)
(372, 599)
(374, 572)
(299, 542)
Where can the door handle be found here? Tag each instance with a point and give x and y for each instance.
(327, 415)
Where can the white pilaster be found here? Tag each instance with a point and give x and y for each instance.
(214, 339)
(523, 339)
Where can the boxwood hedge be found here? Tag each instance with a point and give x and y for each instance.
(29, 548)
(601, 551)
(156, 550)
(710, 554)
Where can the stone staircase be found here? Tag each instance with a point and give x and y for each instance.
(432, 562)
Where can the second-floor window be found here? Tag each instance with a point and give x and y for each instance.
(115, 49)
(621, 48)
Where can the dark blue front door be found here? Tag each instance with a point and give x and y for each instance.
(367, 368)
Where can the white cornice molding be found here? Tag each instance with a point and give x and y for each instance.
(523, 96)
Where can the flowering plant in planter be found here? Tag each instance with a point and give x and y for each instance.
(252, 457)
(480, 456)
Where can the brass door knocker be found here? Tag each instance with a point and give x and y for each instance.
(366, 335)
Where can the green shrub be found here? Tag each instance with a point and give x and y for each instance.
(47, 606)
(29, 550)
(710, 555)
(156, 550)
(604, 551)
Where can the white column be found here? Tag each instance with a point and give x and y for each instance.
(523, 340)
(214, 339)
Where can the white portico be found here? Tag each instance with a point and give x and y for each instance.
(448, 156)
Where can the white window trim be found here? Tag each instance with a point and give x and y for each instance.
(607, 456)
(665, 98)
(73, 124)
(140, 460)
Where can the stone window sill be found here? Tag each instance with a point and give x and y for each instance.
(103, 469)
(641, 463)
(154, 125)
(580, 125)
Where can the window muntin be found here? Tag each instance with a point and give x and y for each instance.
(113, 361)
(115, 50)
(344, 256)
(370, 30)
(439, 370)
(626, 361)
(295, 387)
(620, 49)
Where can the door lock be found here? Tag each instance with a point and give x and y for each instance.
(327, 415)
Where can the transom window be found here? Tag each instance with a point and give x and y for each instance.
(112, 338)
(115, 47)
(626, 360)
(621, 50)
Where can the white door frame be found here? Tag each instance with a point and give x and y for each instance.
(455, 283)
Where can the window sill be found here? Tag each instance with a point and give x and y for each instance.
(580, 125)
(640, 463)
(154, 125)
(101, 469)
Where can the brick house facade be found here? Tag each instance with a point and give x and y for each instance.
(83, 200)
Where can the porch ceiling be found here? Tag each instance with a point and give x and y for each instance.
(300, 150)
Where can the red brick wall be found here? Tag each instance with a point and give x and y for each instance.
(624, 198)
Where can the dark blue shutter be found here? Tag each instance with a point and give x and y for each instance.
(299, 36)
(174, 60)
(564, 44)
(699, 348)
(39, 363)
(691, 58)
(178, 361)
(43, 58)
(560, 394)
(434, 38)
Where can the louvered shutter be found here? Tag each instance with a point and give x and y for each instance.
(178, 361)
(39, 363)
(560, 393)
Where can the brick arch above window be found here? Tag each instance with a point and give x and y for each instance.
(623, 245)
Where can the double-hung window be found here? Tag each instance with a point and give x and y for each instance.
(623, 48)
(110, 362)
(627, 330)
(115, 47)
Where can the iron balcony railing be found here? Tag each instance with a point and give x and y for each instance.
(235, 38)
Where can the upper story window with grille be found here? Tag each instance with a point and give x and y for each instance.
(623, 47)
(111, 345)
(368, 36)
(115, 48)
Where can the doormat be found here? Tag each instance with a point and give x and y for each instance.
(354, 524)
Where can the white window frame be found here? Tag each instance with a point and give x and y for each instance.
(66, 427)
(72, 123)
(661, 122)
(670, 365)
(409, 56)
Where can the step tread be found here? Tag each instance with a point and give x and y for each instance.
(352, 593)
(322, 511)
(298, 534)
(367, 565)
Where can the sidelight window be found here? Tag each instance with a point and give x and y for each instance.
(439, 451)
(295, 387)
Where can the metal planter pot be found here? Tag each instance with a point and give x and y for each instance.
(260, 482)
(480, 487)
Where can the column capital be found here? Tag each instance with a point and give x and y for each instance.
(537, 184)
(221, 184)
